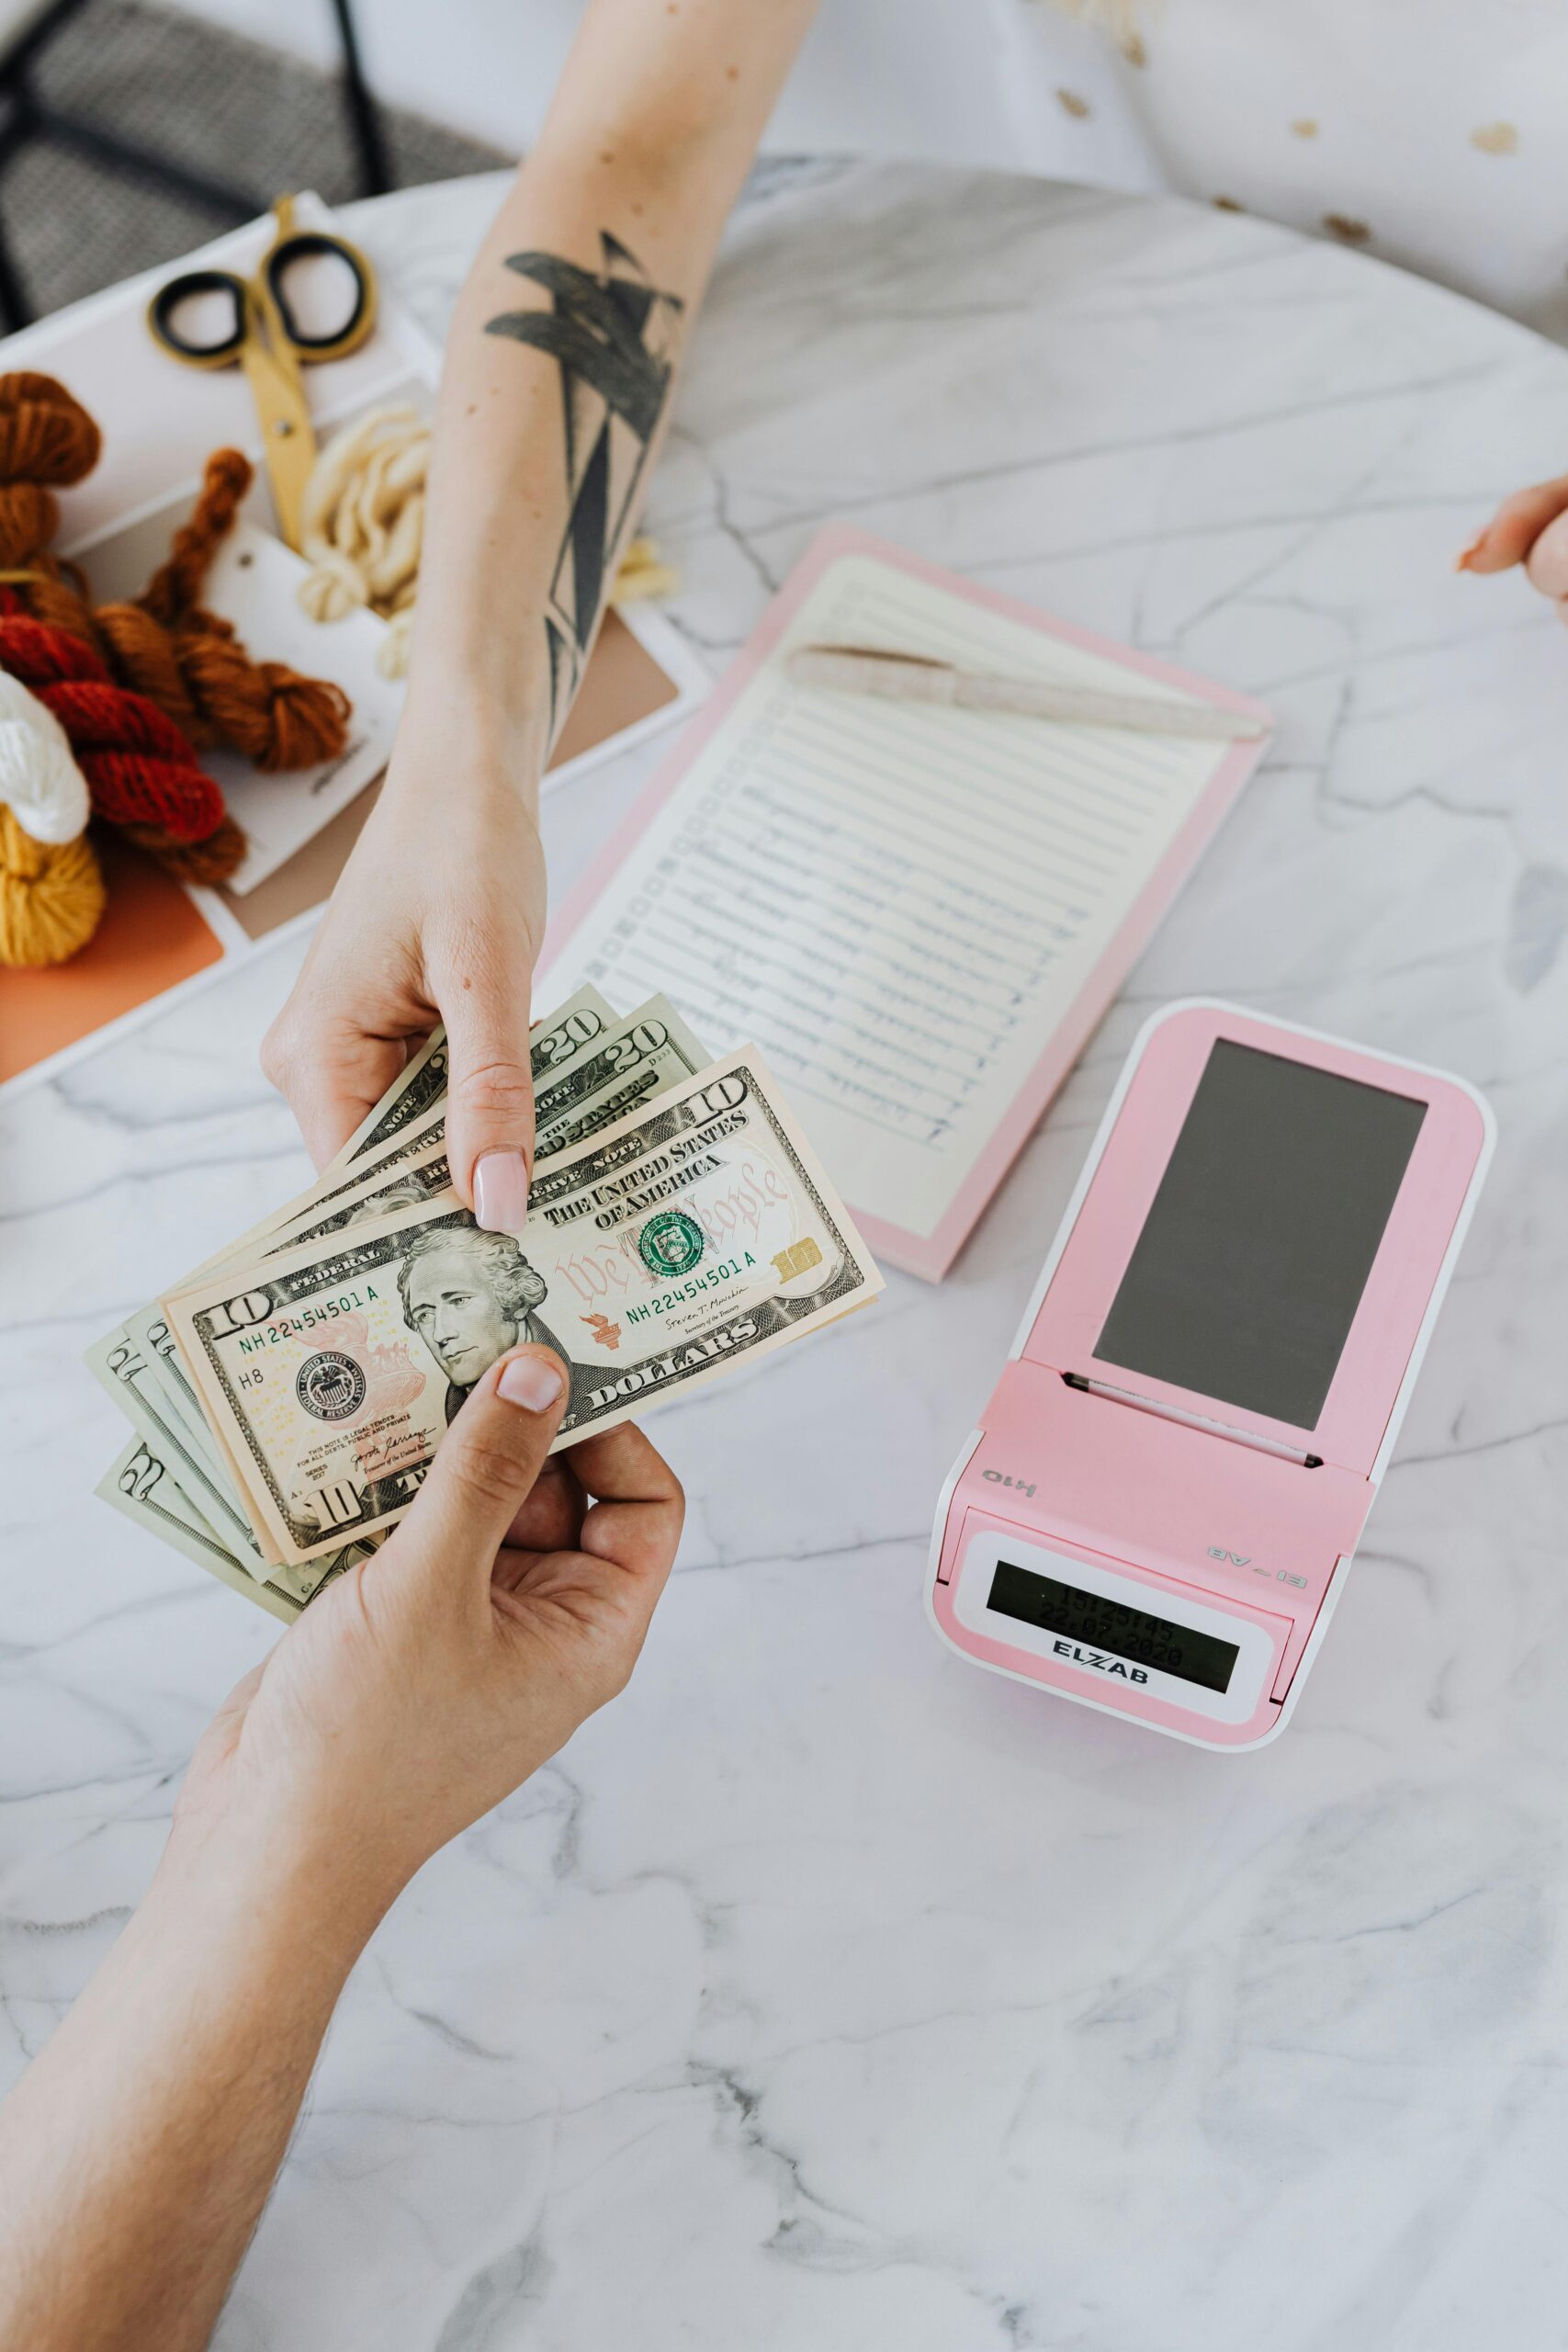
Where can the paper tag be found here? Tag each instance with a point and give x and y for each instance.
(254, 583)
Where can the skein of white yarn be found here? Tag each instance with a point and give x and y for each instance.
(362, 527)
(40, 780)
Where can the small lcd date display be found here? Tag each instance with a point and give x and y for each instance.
(1093, 1622)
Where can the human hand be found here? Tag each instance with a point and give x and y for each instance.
(1530, 528)
(426, 1683)
(437, 916)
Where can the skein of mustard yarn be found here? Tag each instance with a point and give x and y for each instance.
(52, 896)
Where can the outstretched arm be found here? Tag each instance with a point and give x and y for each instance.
(556, 390)
(137, 2152)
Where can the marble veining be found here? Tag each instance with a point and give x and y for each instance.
(825, 1992)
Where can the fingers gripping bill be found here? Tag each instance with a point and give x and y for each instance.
(693, 1236)
(553, 1044)
(633, 1064)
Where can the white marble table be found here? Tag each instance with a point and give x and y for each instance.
(828, 1994)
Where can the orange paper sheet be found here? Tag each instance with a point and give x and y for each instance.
(151, 938)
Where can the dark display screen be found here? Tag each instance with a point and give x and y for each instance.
(1247, 1276)
(1101, 1625)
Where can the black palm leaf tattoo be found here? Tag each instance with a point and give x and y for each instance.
(612, 337)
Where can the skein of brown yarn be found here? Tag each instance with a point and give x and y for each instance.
(265, 710)
(188, 660)
(206, 863)
(47, 441)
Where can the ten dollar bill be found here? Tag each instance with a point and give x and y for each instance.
(698, 1234)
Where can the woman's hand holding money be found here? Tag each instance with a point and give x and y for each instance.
(424, 1685)
(413, 1694)
(438, 917)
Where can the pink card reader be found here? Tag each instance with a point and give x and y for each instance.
(1159, 1509)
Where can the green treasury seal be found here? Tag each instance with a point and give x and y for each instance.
(671, 1243)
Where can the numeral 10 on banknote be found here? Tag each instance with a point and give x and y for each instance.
(232, 1315)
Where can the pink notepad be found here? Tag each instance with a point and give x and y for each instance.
(919, 915)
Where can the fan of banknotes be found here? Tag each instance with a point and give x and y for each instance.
(287, 1395)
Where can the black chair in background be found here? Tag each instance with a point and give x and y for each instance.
(26, 28)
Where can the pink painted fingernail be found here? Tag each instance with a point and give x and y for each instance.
(530, 1382)
(1461, 562)
(500, 1192)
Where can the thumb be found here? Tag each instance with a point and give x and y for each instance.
(490, 1102)
(486, 1466)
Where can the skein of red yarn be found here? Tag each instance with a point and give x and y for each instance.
(139, 767)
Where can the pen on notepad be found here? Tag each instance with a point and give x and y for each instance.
(911, 677)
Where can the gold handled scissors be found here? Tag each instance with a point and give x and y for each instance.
(265, 338)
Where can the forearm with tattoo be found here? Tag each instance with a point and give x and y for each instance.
(561, 365)
(614, 336)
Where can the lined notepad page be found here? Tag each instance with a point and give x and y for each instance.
(898, 904)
